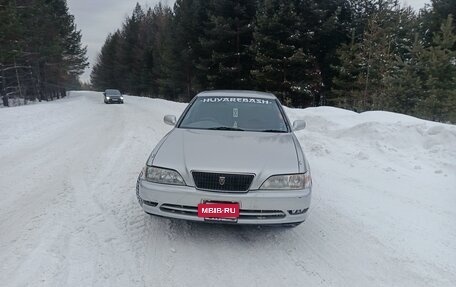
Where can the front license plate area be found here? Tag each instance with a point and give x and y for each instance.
(218, 211)
(213, 219)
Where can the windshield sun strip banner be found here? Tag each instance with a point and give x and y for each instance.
(235, 100)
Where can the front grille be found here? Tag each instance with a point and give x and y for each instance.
(222, 181)
(243, 213)
(261, 214)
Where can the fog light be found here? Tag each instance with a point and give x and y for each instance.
(150, 203)
(297, 211)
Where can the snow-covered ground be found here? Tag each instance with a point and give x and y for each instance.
(383, 210)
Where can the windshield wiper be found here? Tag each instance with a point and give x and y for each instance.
(225, 129)
(273, 131)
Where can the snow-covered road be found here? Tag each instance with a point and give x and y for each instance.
(383, 210)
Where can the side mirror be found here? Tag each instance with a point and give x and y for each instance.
(104, 94)
(170, 120)
(299, 125)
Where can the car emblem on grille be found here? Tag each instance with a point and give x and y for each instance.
(221, 180)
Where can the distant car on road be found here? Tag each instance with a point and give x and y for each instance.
(232, 157)
(113, 96)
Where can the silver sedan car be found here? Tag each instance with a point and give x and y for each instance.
(232, 157)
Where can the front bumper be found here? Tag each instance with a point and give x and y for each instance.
(114, 100)
(256, 207)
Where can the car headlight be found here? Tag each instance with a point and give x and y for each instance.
(121, 97)
(163, 175)
(288, 181)
(107, 98)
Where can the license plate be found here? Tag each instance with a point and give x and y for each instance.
(217, 211)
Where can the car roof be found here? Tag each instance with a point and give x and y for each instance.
(237, 93)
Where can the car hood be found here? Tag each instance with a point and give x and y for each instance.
(262, 154)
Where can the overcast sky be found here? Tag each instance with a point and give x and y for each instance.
(98, 18)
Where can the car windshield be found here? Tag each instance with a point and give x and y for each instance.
(113, 92)
(235, 113)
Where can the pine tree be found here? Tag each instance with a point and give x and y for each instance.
(366, 63)
(439, 62)
(131, 59)
(347, 84)
(42, 33)
(11, 33)
(282, 65)
(226, 59)
(161, 21)
(324, 26)
(432, 16)
(73, 55)
(405, 87)
(147, 84)
(105, 73)
(131, 53)
(182, 49)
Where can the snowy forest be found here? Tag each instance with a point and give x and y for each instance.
(356, 54)
(41, 53)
